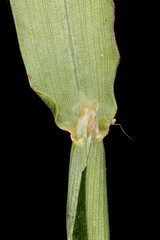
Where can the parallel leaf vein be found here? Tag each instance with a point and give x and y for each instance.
(77, 81)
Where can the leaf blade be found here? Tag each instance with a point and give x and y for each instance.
(70, 54)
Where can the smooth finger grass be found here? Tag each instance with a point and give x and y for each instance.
(70, 54)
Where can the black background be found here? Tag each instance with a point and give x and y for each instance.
(35, 153)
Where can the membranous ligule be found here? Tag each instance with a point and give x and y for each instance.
(88, 125)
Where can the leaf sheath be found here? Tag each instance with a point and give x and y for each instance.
(87, 213)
